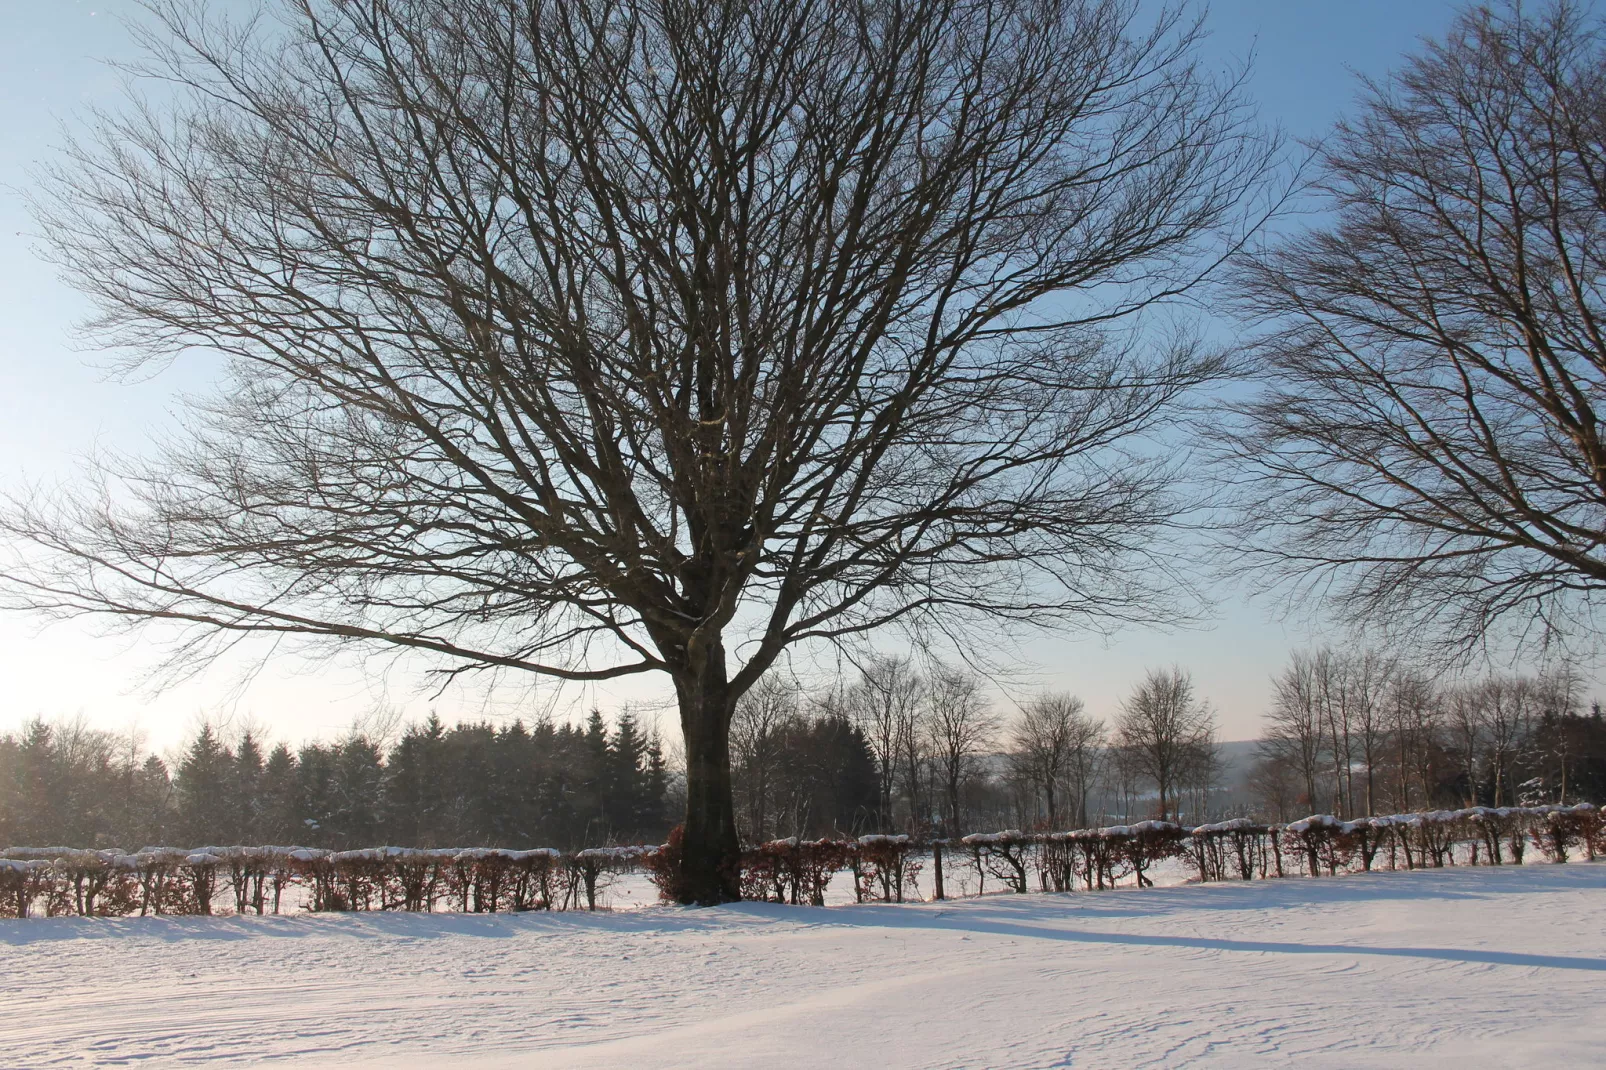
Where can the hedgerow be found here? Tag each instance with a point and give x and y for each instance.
(163, 880)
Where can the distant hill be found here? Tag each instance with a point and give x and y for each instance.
(1237, 756)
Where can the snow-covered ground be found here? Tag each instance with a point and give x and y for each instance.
(1448, 968)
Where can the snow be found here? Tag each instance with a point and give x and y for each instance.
(8, 865)
(604, 854)
(1328, 821)
(1460, 967)
(1008, 837)
(1237, 824)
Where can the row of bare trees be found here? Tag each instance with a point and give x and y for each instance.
(1357, 733)
(926, 750)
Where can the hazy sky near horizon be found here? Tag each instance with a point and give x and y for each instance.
(56, 405)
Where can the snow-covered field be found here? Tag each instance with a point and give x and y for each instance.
(1448, 968)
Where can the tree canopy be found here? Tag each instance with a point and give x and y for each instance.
(598, 337)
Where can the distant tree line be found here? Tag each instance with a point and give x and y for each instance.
(924, 750)
(473, 784)
(899, 748)
(1356, 733)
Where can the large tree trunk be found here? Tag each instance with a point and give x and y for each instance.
(711, 852)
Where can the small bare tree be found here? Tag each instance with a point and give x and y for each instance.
(1511, 710)
(1333, 707)
(1329, 715)
(1293, 736)
(1089, 751)
(1163, 729)
(1056, 748)
(885, 703)
(1465, 717)
(959, 727)
(760, 718)
(1427, 446)
(1493, 722)
(1413, 720)
(1368, 680)
(914, 765)
(1200, 779)
(1040, 746)
(588, 338)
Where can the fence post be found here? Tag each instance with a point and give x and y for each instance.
(936, 853)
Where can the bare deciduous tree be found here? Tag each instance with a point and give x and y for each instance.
(1413, 720)
(1493, 721)
(885, 704)
(1511, 708)
(761, 715)
(1040, 746)
(1089, 751)
(601, 337)
(1329, 716)
(1427, 447)
(1368, 679)
(1056, 748)
(1162, 730)
(1293, 735)
(1333, 706)
(1200, 779)
(959, 727)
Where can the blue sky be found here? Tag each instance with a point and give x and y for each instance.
(56, 405)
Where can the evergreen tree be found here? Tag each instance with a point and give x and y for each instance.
(596, 781)
(10, 790)
(470, 784)
(473, 784)
(247, 810)
(277, 799)
(827, 779)
(554, 798)
(314, 796)
(154, 816)
(625, 803)
(415, 786)
(655, 823)
(203, 782)
(357, 784)
(41, 793)
(511, 802)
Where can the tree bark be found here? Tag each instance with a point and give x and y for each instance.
(711, 851)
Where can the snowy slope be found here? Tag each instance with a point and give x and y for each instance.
(1452, 968)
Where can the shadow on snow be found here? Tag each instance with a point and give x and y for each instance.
(1035, 916)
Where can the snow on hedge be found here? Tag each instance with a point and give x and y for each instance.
(887, 867)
